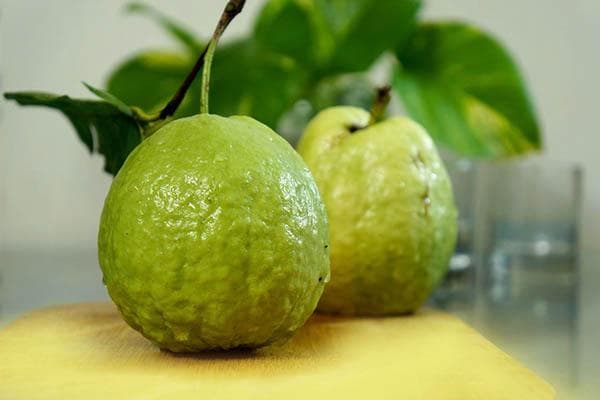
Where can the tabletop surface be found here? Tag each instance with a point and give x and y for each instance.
(566, 352)
(71, 351)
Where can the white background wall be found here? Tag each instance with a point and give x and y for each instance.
(51, 190)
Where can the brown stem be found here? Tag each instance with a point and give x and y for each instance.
(233, 8)
(380, 104)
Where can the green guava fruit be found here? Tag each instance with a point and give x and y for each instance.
(390, 207)
(213, 236)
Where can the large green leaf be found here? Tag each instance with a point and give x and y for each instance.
(334, 36)
(464, 87)
(172, 27)
(149, 79)
(245, 80)
(294, 28)
(102, 127)
(363, 29)
(110, 99)
(250, 81)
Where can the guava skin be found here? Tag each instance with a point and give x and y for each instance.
(390, 207)
(214, 236)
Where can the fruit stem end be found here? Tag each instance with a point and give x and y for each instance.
(382, 99)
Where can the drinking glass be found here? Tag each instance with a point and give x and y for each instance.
(530, 259)
(458, 288)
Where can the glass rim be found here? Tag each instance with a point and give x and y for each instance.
(541, 160)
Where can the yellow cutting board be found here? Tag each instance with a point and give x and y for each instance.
(85, 351)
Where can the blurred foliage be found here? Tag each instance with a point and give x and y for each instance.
(173, 28)
(465, 89)
(335, 36)
(101, 126)
(149, 79)
(306, 55)
(296, 47)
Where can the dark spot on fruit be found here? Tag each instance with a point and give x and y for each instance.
(326, 246)
(426, 201)
(419, 163)
(320, 279)
(355, 127)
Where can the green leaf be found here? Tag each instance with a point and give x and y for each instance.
(174, 28)
(363, 29)
(111, 99)
(101, 126)
(464, 87)
(247, 80)
(334, 36)
(149, 79)
(293, 28)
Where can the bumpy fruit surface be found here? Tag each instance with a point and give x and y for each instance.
(390, 206)
(214, 236)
